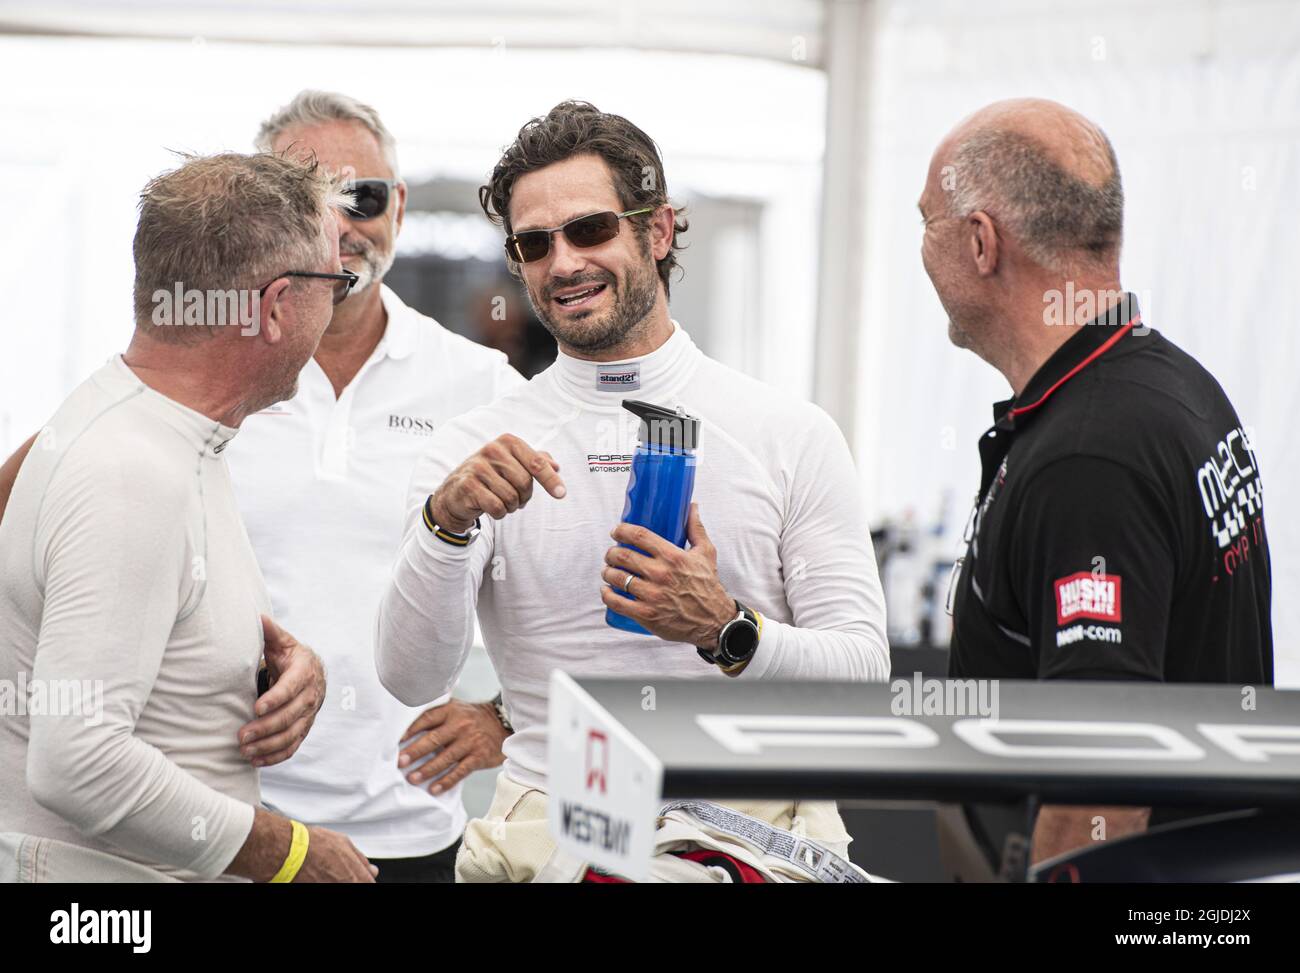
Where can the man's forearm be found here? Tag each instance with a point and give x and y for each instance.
(790, 652)
(425, 624)
(265, 849)
(1062, 828)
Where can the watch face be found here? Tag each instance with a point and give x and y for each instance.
(739, 640)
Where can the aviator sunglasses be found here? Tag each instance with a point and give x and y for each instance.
(369, 198)
(585, 231)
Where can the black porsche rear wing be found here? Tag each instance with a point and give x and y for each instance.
(619, 748)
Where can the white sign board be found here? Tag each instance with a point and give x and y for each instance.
(604, 787)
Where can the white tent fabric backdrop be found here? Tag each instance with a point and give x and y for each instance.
(101, 118)
(1201, 98)
(777, 29)
(1202, 103)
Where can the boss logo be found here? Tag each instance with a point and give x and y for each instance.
(413, 425)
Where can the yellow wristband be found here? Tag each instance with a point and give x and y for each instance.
(297, 855)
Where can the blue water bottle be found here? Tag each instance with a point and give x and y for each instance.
(663, 478)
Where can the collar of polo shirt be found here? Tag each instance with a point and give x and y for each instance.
(400, 335)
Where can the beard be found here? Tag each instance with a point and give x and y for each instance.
(975, 329)
(280, 386)
(967, 321)
(375, 263)
(634, 297)
(280, 381)
(948, 290)
(957, 336)
(286, 390)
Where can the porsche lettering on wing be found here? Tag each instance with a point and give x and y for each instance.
(1012, 739)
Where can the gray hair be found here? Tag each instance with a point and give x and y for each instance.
(1056, 216)
(229, 222)
(310, 107)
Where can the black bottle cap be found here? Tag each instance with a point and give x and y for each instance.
(665, 428)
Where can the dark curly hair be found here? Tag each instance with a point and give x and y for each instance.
(576, 128)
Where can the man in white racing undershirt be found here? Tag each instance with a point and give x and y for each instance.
(582, 196)
(124, 566)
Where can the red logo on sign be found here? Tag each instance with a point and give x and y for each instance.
(597, 759)
(1086, 595)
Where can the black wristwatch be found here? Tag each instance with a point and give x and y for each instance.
(737, 642)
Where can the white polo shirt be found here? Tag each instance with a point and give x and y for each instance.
(321, 483)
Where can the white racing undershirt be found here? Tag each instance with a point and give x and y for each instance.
(777, 495)
(129, 594)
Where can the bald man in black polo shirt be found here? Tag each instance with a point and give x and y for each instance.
(1119, 531)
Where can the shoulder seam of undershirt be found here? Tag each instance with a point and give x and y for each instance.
(40, 509)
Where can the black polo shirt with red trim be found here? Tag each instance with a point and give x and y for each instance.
(1119, 531)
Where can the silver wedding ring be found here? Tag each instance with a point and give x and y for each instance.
(627, 585)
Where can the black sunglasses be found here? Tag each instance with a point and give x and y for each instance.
(343, 282)
(585, 231)
(370, 198)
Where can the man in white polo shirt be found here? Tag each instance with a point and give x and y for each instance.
(321, 482)
(512, 507)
